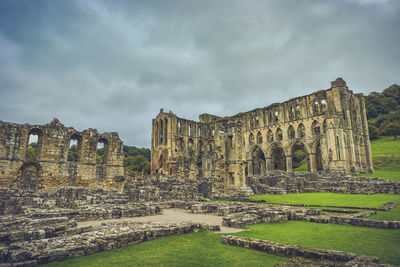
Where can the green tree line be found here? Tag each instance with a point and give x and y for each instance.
(383, 112)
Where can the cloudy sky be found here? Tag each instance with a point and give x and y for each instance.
(112, 65)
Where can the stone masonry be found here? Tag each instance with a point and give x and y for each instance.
(50, 168)
(329, 126)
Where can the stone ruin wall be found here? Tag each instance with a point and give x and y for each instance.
(330, 126)
(50, 169)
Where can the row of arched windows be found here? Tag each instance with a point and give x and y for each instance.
(191, 145)
(293, 112)
(35, 144)
(291, 133)
(161, 132)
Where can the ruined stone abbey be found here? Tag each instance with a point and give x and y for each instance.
(330, 126)
(50, 167)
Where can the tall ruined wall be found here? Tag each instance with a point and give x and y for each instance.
(330, 126)
(50, 168)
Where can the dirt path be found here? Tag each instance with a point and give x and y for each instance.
(172, 215)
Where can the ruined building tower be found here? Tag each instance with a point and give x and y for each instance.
(329, 126)
(50, 166)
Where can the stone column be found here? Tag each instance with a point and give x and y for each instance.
(313, 162)
(268, 164)
(250, 168)
(289, 166)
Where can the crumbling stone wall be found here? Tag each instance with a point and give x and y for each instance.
(164, 189)
(279, 182)
(50, 168)
(330, 126)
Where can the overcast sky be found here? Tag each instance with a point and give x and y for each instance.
(112, 65)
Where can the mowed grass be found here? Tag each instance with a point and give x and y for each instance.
(392, 215)
(194, 249)
(330, 199)
(382, 243)
(386, 158)
(303, 168)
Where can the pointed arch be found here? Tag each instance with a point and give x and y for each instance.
(270, 136)
(279, 135)
(258, 160)
(300, 156)
(251, 139)
(319, 162)
(259, 138)
(316, 129)
(277, 156)
(291, 133)
(301, 131)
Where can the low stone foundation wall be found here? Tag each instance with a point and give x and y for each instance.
(355, 221)
(344, 259)
(265, 214)
(97, 212)
(279, 182)
(107, 237)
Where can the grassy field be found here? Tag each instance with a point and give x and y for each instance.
(331, 199)
(386, 158)
(303, 168)
(383, 243)
(195, 249)
(392, 215)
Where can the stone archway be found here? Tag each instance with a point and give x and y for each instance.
(319, 163)
(29, 175)
(276, 158)
(300, 156)
(258, 161)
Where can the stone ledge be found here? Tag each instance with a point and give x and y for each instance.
(283, 250)
(107, 237)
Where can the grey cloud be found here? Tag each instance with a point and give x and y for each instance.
(112, 65)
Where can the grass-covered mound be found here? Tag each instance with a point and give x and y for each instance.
(383, 243)
(330, 199)
(194, 249)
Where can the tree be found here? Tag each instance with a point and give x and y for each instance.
(136, 164)
(73, 153)
(31, 152)
(373, 132)
(391, 129)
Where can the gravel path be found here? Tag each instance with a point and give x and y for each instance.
(172, 215)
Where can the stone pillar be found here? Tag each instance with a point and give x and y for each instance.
(289, 166)
(268, 164)
(250, 168)
(313, 162)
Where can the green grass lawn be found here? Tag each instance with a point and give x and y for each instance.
(331, 199)
(392, 215)
(386, 158)
(194, 249)
(303, 168)
(383, 243)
